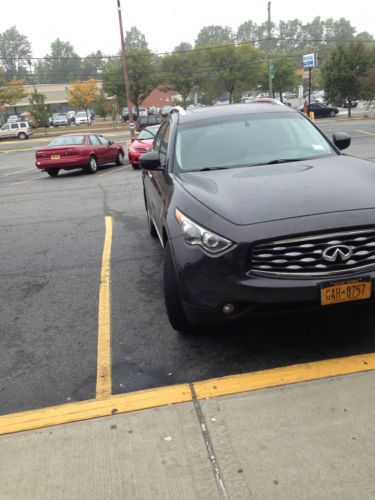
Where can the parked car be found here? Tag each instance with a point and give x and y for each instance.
(320, 110)
(146, 121)
(141, 144)
(245, 200)
(60, 120)
(125, 114)
(143, 111)
(21, 130)
(165, 110)
(14, 119)
(83, 118)
(71, 116)
(86, 151)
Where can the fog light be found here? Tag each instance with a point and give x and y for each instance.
(228, 309)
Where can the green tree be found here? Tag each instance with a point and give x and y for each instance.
(342, 71)
(135, 40)
(285, 76)
(113, 81)
(183, 47)
(247, 32)
(236, 68)
(102, 106)
(15, 53)
(213, 35)
(91, 65)
(180, 73)
(367, 83)
(39, 110)
(62, 65)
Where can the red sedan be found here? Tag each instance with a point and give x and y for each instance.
(86, 151)
(141, 144)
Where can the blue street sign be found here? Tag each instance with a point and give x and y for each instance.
(309, 60)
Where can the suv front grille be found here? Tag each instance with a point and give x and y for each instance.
(303, 256)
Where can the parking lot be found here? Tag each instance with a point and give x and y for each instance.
(52, 236)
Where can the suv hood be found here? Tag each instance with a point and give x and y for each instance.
(249, 195)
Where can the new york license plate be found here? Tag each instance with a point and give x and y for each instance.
(336, 292)
(55, 157)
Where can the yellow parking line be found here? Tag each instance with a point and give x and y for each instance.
(17, 172)
(104, 375)
(84, 410)
(364, 132)
(181, 393)
(284, 376)
(113, 171)
(27, 180)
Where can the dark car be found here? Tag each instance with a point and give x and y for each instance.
(125, 114)
(60, 120)
(147, 121)
(72, 151)
(321, 110)
(257, 210)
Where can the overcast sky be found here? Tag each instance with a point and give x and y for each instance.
(93, 24)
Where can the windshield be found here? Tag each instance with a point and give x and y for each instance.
(249, 140)
(146, 134)
(67, 140)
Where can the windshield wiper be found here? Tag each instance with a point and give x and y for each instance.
(206, 169)
(282, 160)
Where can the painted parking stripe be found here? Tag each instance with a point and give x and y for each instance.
(104, 369)
(285, 375)
(18, 172)
(94, 408)
(27, 180)
(152, 398)
(113, 171)
(365, 132)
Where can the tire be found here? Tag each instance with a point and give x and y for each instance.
(92, 166)
(120, 158)
(53, 172)
(136, 166)
(22, 136)
(332, 113)
(172, 298)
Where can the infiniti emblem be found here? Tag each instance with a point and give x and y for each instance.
(337, 253)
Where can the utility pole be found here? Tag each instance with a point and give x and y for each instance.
(270, 68)
(125, 72)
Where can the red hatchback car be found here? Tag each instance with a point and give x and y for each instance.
(141, 144)
(71, 151)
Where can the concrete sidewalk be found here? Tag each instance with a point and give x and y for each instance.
(312, 440)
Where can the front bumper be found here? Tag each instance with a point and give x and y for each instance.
(207, 283)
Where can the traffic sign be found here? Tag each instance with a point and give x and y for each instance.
(310, 60)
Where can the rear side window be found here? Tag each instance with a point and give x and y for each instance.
(94, 140)
(23, 125)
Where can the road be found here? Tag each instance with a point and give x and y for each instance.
(52, 236)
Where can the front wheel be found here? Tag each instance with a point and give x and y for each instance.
(93, 165)
(332, 113)
(120, 158)
(52, 172)
(173, 303)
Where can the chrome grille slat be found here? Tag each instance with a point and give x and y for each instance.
(302, 256)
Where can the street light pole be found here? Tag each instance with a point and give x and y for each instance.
(270, 68)
(125, 72)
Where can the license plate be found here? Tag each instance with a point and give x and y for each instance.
(55, 157)
(345, 291)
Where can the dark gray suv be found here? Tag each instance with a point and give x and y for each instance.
(257, 210)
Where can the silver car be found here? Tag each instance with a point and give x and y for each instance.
(20, 130)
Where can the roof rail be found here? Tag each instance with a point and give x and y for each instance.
(178, 109)
(270, 100)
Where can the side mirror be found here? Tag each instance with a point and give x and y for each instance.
(341, 140)
(150, 161)
(110, 143)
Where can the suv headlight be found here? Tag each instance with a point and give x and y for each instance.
(194, 234)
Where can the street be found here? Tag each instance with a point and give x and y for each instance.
(53, 231)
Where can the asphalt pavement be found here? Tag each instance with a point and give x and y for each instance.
(52, 240)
